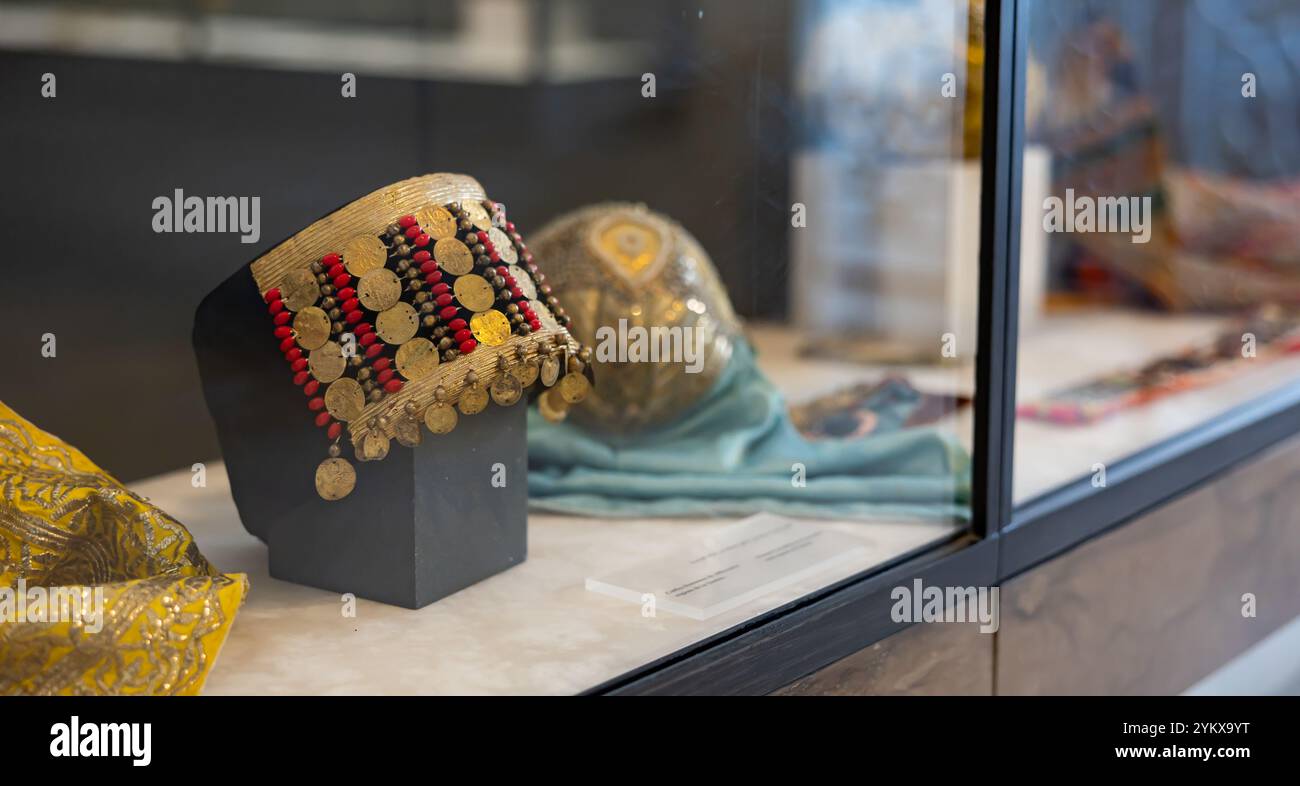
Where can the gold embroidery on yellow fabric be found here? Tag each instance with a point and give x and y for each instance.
(65, 523)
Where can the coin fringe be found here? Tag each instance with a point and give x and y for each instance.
(451, 376)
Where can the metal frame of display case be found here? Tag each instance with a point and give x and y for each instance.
(790, 642)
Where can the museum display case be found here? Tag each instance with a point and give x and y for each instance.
(562, 346)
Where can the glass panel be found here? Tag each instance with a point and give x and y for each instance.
(1160, 261)
(782, 196)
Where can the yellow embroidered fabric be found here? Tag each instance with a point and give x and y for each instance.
(154, 613)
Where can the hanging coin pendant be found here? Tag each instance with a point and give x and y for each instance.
(524, 281)
(506, 389)
(327, 363)
(504, 248)
(416, 358)
(544, 315)
(407, 432)
(374, 447)
(574, 387)
(552, 407)
(397, 325)
(453, 256)
(478, 215)
(311, 328)
(550, 371)
(474, 292)
(437, 222)
(344, 399)
(526, 373)
(335, 479)
(490, 327)
(298, 289)
(379, 289)
(363, 254)
(440, 418)
(473, 400)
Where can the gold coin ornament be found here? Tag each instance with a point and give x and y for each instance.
(453, 256)
(545, 316)
(437, 222)
(504, 248)
(407, 432)
(490, 328)
(416, 358)
(344, 399)
(478, 215)
(346, 394)
(552, 406)
(379, 290)
(397, 325)
(327, 363)
(574, 387)
(335, 479)
(311, 328)
(474, 292)
(506, 389)
(299, 289)
(473, 399)
(524, 282)
(374, 446)
(550, 371)
(526, 372)
(363, 254)
(440, 418)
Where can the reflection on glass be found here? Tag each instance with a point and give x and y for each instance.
(1162, 160)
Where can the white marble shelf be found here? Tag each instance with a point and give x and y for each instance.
(533, 629)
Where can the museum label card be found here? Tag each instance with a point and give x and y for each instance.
(743, 561)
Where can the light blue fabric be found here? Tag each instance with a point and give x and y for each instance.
(733, 455)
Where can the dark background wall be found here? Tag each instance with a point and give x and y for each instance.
(80, 259)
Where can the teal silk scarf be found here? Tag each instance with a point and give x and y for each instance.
(736, 453)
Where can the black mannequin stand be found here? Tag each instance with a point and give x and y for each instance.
(421, 524)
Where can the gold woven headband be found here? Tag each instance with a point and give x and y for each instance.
(412, 300)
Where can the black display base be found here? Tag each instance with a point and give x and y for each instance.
(422, 524)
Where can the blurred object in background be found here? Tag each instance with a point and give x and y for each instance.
(879, 169)
(1192, 104)
(1238, 239)
(1104, 136)
(888, 170)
